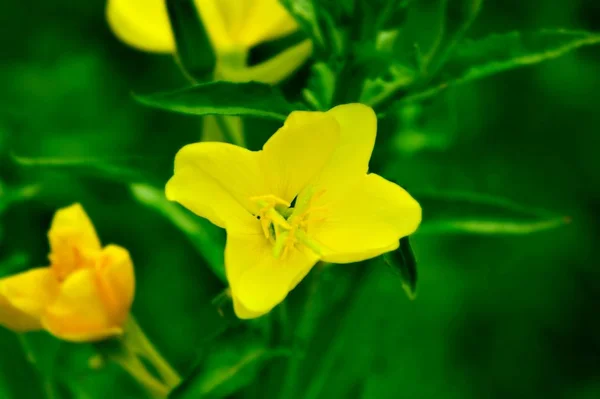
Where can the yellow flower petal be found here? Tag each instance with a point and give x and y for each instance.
(13, 319)
(298, 151)
(258, 280)
(266, 20)
(73, 240)
(358, 127)
(242, 312)
(216, 181)
(79, 314)
(244, 23)
(143, 24)
(24, 296)
(367, 220)
(271, 71)
(116, 282)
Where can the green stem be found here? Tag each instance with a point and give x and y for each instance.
(303, 331)
(233, 133)
(130, 363)
(327, 363)
(136, 340)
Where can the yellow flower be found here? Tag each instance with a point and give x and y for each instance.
(233, 27)
(307, 196)
(84, 295)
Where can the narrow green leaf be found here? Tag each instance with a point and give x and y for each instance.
(223, 98)
(305, 13)
(194, 51)
(477, 59)
(11, 195)
(229, 367)
(321, 87)
(447, 213)
(201, 233)
(119, 168)
(403, 261)
(459, 15)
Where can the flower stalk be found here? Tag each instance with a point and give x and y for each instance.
(133, 351)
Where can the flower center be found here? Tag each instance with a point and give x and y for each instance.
(288, 227)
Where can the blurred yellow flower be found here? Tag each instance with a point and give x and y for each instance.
(307, 196)
(233, 27)
(84, 295)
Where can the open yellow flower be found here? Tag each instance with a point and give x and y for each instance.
(307, 196)
(233, 28)
(84, 295)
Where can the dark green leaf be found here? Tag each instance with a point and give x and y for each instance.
(305, 13)
(478, 59)
(10, 195)
(230, 366)
(403, 261)
(321, 86)
(194, 51)
(223, 98)
(471, 213)
(264, 51)
(459, 15)
(14, 264)
(201, 233)
(119, 168)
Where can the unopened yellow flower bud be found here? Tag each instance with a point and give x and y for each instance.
(84, 295)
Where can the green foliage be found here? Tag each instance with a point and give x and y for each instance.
(232, 364)
(194, 51)
(403, 262)
(223, 98)
(448, 213)
(71, 129)
(201, 233)
(478, 59)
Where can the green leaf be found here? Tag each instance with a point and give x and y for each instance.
(223, 98)
(477, 59)
(403, 261)
(11, 195)
(459, 15)
(230, 366)
(304, 12)
(13, 264)
(119, 168)
(447, 213)
(194, 51)
(201, 233)
(321, 87)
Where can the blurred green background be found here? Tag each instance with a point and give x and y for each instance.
(495, 316)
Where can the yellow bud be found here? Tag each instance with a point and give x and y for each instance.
(84, 295)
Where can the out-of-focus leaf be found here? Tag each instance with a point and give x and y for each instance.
(13, 264)
(201, 233)
(321, 86)
(447, 213)
(230, 366)
(223, 98)
(42, 351)
(11, 195)
(119, 168)
(459, 15)
(393, 15)
(264, 51)
(476, 59)
(403, 261)
(397, 77)
(304, 12)
(194, 51)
